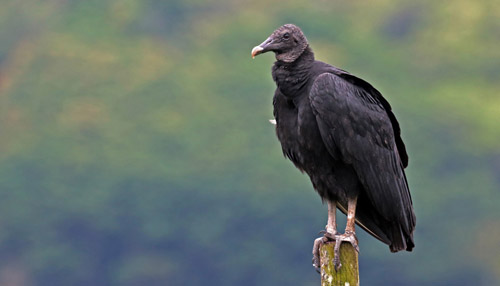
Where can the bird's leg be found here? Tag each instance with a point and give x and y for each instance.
(349, 235)
(329, 234)
(331, 225)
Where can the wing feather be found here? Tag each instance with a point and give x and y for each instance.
(355, 124)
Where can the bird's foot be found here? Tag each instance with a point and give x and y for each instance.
(318, 242)
(348, 236)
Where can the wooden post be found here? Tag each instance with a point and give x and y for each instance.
(348, 274)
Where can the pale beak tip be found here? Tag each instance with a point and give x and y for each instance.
(256, 50)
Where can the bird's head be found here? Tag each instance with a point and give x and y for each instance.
(287, 42)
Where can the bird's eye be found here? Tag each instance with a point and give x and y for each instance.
(286, 36)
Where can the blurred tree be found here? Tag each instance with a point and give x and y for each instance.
(135, 143)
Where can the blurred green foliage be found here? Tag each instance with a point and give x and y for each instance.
(135, 147)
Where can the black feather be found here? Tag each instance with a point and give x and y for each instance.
(341, 131)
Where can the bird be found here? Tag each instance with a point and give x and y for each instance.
(341, 131)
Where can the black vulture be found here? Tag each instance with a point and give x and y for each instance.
(339, 129)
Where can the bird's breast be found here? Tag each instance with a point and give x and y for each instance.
(299, 134)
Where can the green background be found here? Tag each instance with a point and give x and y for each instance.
(135, 147)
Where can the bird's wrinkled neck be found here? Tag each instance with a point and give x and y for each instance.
(294, 56)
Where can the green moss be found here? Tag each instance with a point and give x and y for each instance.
(348, 274)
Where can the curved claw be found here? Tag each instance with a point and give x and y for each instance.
(336, 259)
(353, 239)
(316, 262)
(329, 236)
(317, 267)
(348, 237)
(338, 238)
(356, 246)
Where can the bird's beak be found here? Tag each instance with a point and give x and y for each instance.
(262, 48)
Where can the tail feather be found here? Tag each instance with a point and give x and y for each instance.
(391, 233)
(399, 240)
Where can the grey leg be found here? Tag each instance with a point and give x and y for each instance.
(329, 234)
(349, 235)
